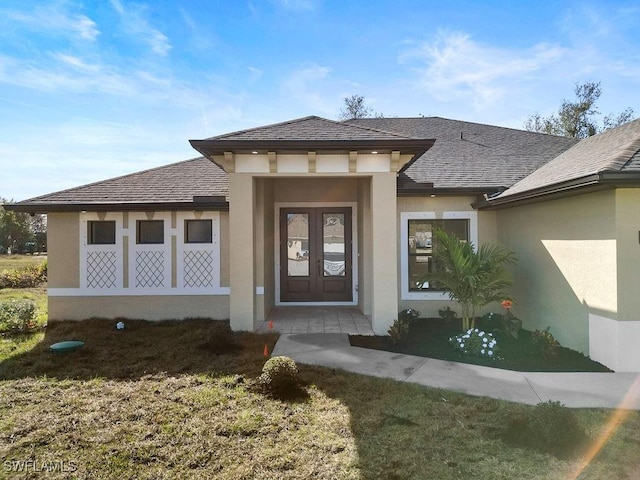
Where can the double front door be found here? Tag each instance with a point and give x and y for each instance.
(315, 254)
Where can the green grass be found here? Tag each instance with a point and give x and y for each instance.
(13, 262)
(429, 337)
(155, 401)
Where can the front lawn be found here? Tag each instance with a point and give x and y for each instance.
(14, 262)
(155, 400)
(429, 337)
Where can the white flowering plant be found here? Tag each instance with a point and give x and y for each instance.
(476, 342)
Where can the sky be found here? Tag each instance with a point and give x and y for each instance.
(91, 90)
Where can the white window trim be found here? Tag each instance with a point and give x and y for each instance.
(214, 246)
(86, 247)
(405, 293)
(130, 232)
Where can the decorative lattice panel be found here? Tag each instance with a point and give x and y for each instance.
(198, 269)
(101, 269)
(149, 269)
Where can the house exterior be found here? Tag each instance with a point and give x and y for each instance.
(314, 211)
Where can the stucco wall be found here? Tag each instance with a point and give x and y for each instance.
(628, 266)
(334, 189)
(63, 233)
(566, 268)
(157, 307)
(224, 249)
(270, 224)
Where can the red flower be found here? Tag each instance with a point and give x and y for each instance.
(507, 304)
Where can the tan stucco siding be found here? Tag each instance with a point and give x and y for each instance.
(365, 250)
(63, 233)
(628, 264)
(334, 189)
(269, 225)
(566, 267)
(157, 307)
(224, 249)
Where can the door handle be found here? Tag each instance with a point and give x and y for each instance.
(319, 270)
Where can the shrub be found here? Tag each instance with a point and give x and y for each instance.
(546, 343)
(447, 314)
(508, 323)
(18, 316)
(409, 314)
(476, 342)
(280, 375)
(399, 331)
(25, 277)
(554, 428)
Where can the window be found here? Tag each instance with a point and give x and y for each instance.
(198, 231)
(421, 244)
(101, 232)
(150, 231)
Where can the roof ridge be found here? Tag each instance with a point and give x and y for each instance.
(119, 177)
(624, 156)
(277, 124)
(307, 118)
(469, 122)
(377, 130)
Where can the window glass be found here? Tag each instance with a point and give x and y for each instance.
(101, 232)
(150, 231)
(422, 241)
(198, 231)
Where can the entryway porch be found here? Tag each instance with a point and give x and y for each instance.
(317, 319)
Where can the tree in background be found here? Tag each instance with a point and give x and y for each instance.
(577, 118)
(21, 232)
(355, 107)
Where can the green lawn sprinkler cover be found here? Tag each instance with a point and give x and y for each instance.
(67, 346)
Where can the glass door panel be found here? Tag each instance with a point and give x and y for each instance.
(298, 244)
(333, 245)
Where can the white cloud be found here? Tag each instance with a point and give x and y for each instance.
(454, 67)
(306, 86)
(134, 22)
(255, 74)
(53, 18)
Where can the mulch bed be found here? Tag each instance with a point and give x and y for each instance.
(429, 337)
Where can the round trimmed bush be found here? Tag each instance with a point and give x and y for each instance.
(280, 374)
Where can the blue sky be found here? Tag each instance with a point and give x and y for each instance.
(90, 90)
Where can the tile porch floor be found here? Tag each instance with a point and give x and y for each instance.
(318, 320)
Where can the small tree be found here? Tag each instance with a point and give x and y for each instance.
(355, 107)
(577, 118)
(472, 278)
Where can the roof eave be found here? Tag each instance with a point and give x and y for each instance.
(35, 208)
(208, 148)
(429, 189)
(593, 182)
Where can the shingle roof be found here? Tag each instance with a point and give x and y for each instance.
(311, 128)
(465, 155)
(174, 183)
(616, 150)
(471, 155)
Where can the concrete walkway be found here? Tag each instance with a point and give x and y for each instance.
(578, 390)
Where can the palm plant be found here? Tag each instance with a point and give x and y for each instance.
(472, 278)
